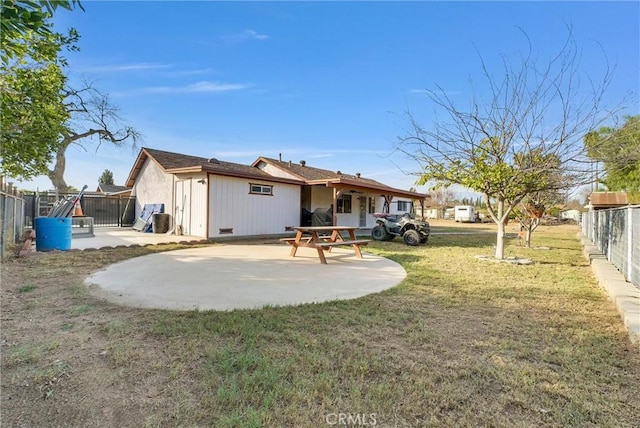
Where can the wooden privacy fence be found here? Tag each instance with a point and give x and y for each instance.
(616, 233)
(12, 215)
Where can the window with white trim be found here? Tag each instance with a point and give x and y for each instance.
(372, 205)
(260, 189)
(404, 206)
(344, 204)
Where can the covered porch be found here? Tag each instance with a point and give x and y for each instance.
(352, 203)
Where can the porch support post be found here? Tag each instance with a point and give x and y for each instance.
(387, 203)
(422, 208)
(334, 217)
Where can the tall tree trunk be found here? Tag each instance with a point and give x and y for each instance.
(56, 175)
(533, 225)
(500, 241)
(500, 235)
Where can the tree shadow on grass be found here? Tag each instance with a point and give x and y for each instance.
(463, 241)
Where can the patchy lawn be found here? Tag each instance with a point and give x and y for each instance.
(460, 342)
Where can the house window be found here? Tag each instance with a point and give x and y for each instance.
(260, 189)
(372, 205)
(344, 204)
(404, 206)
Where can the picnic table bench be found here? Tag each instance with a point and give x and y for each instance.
(308, 236)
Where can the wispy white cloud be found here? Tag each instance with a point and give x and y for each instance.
(199, 87)
(196, 72)
(245, 35)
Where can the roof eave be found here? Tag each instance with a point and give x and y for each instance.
(137, 166)
(383, 190)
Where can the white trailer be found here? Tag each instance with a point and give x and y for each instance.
(464, 213)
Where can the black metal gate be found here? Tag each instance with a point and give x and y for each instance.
(106, 210)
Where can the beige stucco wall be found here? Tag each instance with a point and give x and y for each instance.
(153, 186)
(275, 171)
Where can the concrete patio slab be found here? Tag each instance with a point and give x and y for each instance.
(116, 236)
(235, 276)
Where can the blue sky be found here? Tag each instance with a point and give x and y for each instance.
(327, 82)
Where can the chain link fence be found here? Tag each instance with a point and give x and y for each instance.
(12, 215)
(616, 233)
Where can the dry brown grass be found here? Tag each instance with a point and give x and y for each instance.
(459, 343)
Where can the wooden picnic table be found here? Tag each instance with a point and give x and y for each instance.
(324, 238)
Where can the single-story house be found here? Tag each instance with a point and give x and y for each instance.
(574, 215)
(114, 190)
(212, 198)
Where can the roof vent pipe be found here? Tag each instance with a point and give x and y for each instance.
(280, 156)
(303, 163)
(290, 163)
(357, 175)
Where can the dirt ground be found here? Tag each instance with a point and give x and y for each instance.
(58, 346)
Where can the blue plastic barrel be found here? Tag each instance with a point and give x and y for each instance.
(53, 233)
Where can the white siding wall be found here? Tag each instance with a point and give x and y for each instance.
(352, 219)
(153, 186)
(232, 206)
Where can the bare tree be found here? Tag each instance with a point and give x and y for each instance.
(442, 197)
(512, 143)
(93, 117)
(531, 209)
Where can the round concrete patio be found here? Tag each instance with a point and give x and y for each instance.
(231, 276)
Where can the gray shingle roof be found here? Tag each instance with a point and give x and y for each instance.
(310, 173)
(176, 162)
(314, 175)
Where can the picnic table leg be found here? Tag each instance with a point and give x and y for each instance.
(294, 245)
(356, 247)
(335, 236)
(323, 260)
(316, 239)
